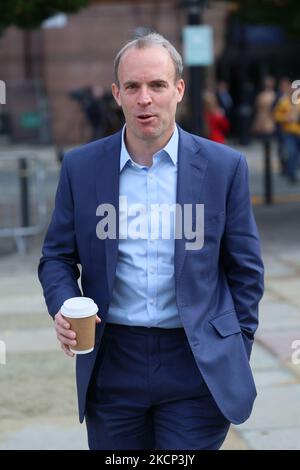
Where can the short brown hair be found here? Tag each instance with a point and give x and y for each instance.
(148, 40)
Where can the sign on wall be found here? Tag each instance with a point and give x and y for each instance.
(197, 45)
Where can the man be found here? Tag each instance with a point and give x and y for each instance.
(170, 369)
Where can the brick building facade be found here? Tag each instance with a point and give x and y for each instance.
(40, 68)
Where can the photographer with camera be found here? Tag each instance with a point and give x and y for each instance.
(91, 103)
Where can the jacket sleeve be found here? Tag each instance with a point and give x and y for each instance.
(241, 256)
(58, 270)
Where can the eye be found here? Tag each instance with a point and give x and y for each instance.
(131, 86)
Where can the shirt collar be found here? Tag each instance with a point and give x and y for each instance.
(171, 148)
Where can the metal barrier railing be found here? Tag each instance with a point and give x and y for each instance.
(23, 199)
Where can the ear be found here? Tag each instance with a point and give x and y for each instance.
(116, 93)
(180, 85)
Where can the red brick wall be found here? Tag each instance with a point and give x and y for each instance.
(82, 53)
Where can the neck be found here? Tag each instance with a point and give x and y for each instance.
(142, 151)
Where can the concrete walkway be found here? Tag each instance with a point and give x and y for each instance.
(38, 386)
(37, 394)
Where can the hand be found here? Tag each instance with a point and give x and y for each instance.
(65, 335)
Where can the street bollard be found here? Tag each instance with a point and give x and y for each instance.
(24, 191)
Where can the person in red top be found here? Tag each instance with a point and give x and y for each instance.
(217, 124)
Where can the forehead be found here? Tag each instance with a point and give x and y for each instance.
(149, 63)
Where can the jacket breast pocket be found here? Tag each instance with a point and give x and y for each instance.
(226, 324)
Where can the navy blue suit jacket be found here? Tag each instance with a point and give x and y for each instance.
(218, 287)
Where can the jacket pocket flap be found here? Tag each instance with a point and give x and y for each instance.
(226, 324)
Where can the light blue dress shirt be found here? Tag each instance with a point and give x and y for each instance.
(144, 289)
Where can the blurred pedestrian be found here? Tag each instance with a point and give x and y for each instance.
(92, 104)
(225, 100)
(287, 115)
(284, 87)
(95, 112)
(264, 123)
(216, 123)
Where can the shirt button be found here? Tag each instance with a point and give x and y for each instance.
(152, 270)
(151, 301)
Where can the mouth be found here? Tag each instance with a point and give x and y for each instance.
(145, 117)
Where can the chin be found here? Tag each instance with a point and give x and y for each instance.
(149, 133)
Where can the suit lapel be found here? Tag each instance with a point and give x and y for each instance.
(107, 188)
(191, 171)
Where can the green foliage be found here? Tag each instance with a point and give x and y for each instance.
(29, 14)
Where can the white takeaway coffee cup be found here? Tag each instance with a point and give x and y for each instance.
(81, 312)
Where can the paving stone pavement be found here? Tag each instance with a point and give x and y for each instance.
(37, 394)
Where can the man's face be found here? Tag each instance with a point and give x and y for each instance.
(148, 93)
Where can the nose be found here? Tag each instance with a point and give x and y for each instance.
(144, 97)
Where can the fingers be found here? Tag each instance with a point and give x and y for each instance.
(65, 345)
(66, 339)
(66, 350)
(61, 321)
(64, 334)
(68, 334)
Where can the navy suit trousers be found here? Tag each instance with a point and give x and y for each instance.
(147, 393)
